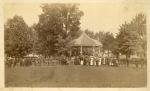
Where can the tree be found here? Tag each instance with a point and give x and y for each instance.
(106, 38)
(100, 35)
(16, 36)
(58, 24)
(139, 26)
(108, 42)
(34, 40)
(132, 37)
(91, 34)
(71, 18)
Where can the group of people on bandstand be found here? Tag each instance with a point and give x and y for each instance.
(85, 42)
(94, 60)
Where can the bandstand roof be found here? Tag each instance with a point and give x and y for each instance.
(85, 40)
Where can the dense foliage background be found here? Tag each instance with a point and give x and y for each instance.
(60, 23)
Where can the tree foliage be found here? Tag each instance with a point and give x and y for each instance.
(130, 40)
(17, 37)
(132, 36)
(106, 38)
(58, 24)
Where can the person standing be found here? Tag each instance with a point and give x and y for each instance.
(92, 61)
(100, 61)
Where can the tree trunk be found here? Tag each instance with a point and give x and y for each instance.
(127, 59)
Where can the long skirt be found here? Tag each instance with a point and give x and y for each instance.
(91, 62)
(81, 62)
(99, 62)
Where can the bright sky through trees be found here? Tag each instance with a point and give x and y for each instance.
(97, 16)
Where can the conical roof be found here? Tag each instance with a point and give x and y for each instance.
(85, 40)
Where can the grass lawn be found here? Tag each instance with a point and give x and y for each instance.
(75, 76)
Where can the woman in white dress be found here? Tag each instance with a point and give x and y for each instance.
(81, 62)
(92, 61)
(100, 61)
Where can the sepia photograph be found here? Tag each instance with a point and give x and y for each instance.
(102, 45)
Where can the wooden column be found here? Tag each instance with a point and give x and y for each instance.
(99, 50)
(81, 50)
(93, 50)
(70, 52)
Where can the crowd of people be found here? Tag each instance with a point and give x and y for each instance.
(86, 60)
(61, 60)
(94, 60)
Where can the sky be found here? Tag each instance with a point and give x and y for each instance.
(97, 16)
